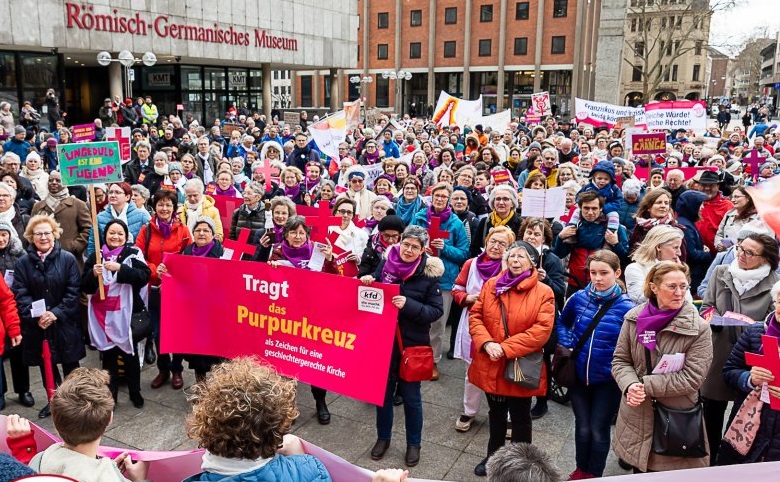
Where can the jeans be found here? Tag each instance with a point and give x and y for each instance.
(165, 362)
(594, 407)
(413, 411)
(519, 409)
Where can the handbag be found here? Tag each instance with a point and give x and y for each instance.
(525, 371)
(140, 326)
(416, 361)
(677, 432)
(564, 368)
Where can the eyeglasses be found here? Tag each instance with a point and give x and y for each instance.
(496, 242)
(391, 237)
(503, 200)
(345, 212)
(411, 247)
(43, 234)
(674, 288)
(747, 253)
(549, 158)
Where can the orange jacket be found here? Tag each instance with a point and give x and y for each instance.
(153, 253)
(9, 315)
(530, 310)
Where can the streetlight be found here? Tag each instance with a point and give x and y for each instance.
(399, 86)
(365, 80)
(127, 59)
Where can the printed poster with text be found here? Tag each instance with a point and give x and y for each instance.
(328, 331)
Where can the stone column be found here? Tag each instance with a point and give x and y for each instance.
(115, 83)
(294, 88)
(267, 102)
(335, 101)
(431, 52)
(467, 50)
(315, 85)
(539, 45)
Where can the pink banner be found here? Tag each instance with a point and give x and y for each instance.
(83, 133)
(226, 205)
(329, 331)
(648, 143)
(643, 173)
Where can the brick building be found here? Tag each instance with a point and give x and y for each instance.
(504, 50)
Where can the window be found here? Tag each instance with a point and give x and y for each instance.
(381, 52)
(663, 22)
(383, 20)
(484, 47)
(416, 18)
(306, 85)
(558, 45)
(521, 46)
(415, 50)
(560, 7)
(450, 48)
(676, 46)
(674, 73)
(486, 13)
(636, 74)
(696, 72)
(699, 44)
(450, 15)
(382, 92)
(521, 11)
(639, 49)
(679, 22)
(633, 25)
(665, 69)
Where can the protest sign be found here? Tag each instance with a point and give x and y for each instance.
(648, 143)
(497, 122)
(122, 136)
(769, 360)
(600, 113)
(83, 132)
(452, 111)
(677, 114)
(643, 173)
(338, 341)
(292, 118)
(89, 163)
(541, 103)
(544, 203)
(228, 129)
(352, 110)
(329, 132)
(226, 205)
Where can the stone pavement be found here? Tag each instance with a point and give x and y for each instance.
(446, 454)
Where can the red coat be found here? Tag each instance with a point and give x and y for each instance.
(459, 288)
(712, 213)
(530, 309)
(10, 324)
(153, 254)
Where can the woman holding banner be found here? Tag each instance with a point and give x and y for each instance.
(419, 304)
(282, 208)
(351, 238)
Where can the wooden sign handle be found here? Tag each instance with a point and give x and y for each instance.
(96, 235)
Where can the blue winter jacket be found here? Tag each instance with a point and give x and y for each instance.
(456, 248)
(611, 194)
(391, 149)
(283, 468)
(594, 361)
(135, 219)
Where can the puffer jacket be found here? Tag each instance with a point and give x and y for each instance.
(292, 468)
(253, 220)
(687, 333)
(10, 254)
(594, 361)
(766, 446)
(456, 248)
(209, 210)
(57, 281)
(136, 218)
(722, 295)
(10, 324)
(530, 310)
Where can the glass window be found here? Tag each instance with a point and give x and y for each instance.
(415, 50)
(215, 79)
(696, 72)
(39, 70)
(416, 18)
(7, 70)
(381, 52)
(193, 104)
(327, 90)
(306, 90)
(636, 74)
(382, 92)
(354, 91)
(486, 13)
(216, 105)
(521, 46)
(484, 47)
(560, 7)
(450, 48)
(255, 80)
(383, 20)
(191, 78)
(558, 45)
(521, 11)
(450, 15)
(158, 78)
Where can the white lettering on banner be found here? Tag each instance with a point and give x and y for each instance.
(272, 289)
(654, 116)
(372, 172)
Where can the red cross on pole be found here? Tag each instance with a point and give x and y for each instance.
(319, 224)
(435, 232)
(122, 136)
(240, 246)
(754, 160)
(769, 360)
(266, 170)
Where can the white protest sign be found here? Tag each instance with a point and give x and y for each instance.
(544, 203)
(600, 113)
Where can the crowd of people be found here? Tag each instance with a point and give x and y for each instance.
(645, 263)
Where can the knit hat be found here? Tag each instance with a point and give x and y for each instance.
(619, 161)
(175, 166)
(9, 190)
(465, 191)
(6, 226)
(733, 166)
(34, 156)
(19, 130)
(535, 145)
(51, 142)
(533, 254)
(770, 164)
(205, 220)
(391, 221)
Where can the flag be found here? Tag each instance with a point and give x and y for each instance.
(767, 201)
(329, 132)
(352, 110)
(452, 111)
(497, 122)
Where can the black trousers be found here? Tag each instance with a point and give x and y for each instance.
(131, 366)
(519, 408)
(714, 413)
(318, 393)
(66, 369)
(20, 373)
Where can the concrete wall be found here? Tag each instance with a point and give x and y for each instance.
(324, 33)
(609, 52)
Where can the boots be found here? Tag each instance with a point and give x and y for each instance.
(323, 414)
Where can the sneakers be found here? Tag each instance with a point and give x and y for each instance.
(580, 475)
(463, 424)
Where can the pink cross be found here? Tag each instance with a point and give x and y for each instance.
(769, 360)
(240, 246)
(754, 160)
(102, 307)
(435, 232)
(123, 137)
(319, 224)
(266, 170)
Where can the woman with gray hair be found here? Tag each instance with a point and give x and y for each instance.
(503, 204)
(419, 304)
(250, 215)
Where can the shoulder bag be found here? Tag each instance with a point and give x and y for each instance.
(525, 371)
(564, 368)
(416, 361)
(677, 432)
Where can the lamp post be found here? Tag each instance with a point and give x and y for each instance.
(127, 59)
(398, 77)
(363, 81)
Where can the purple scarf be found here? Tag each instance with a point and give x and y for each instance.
(165, 228)
(278, 234)
(371, 223)
(650, 321)
(443, 216)
(545, 170)
(190, 174)
(310, 185)
(418, 171)
(486, 267)
(202, 250)
(506, 281)
(396, 269)
(110, 254)
(292, 192)
(388, 195)
(371, 158)
(231, 191)
(300, 256)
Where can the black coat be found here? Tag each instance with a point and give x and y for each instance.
(370, 258)
(478, 238)
(254, 221)
(136, 275)
(736, 373)
(9, 256)
(19, 222)
(555, 279)
(152, 181)
(132, 171)
(216, 251)
(424, 303)
(58, 281)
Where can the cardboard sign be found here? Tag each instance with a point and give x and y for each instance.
(292, 118)
(648, 143)
(228, 129)
(89, 163)
(122, 136)
(83, 132)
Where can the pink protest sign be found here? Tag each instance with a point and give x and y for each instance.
(83, 132)
(226, 205)
(643, 173)
(329, 331)
(769, 360)
(648, 143)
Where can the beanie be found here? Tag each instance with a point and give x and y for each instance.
(19, 130)
(391, 221)
(533, 253)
